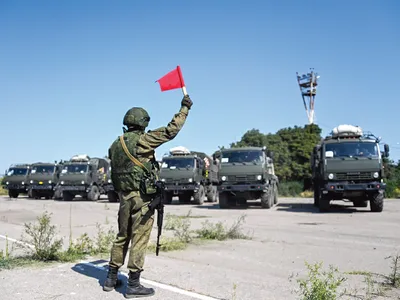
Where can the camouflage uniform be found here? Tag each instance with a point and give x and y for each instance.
(135, 220)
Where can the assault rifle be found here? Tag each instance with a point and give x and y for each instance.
(158, 203)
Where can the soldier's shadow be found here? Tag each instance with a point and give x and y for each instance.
(95, 271)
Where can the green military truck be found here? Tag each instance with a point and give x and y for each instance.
(108, 185)
(84, 176)
(247, 173)
(189, 173)
(43, 179)
(16, 179)
(347, 164)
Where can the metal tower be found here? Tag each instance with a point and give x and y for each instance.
(308, 88)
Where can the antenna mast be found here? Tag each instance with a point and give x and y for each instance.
(308, 88)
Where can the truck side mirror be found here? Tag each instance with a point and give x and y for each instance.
(386, 147)
(214, 157)
(270, 154)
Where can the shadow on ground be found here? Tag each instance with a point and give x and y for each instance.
(99, 273)
(311, 209)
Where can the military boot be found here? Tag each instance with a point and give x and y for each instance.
(135, 289)
(112, 280)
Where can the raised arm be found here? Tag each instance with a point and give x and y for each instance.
(155, 138)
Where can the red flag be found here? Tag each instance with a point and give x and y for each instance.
(172, 80)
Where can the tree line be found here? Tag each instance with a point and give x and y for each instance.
(292, 147)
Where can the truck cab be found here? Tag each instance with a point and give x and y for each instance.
(43, 179)
(348, 165)
(16, 179)
(247, 173)
(189, 174)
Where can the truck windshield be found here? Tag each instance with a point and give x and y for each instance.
(242, 156)
(17, 171)
(75, 169)
(43, 169)
(177, 163)
(351, 149)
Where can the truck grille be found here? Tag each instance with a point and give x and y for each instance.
(241, 178)
(354, 176)
(180, 180)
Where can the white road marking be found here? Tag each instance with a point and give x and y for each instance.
(151, 282)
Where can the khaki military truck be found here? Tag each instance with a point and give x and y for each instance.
(247, 173)
(43, 179)
(84, 176)
(16, 179)
(188, 174)
(347, 165)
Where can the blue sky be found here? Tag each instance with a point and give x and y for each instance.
(69, 70)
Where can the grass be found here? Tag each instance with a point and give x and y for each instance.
(3, 191)
(183, 235)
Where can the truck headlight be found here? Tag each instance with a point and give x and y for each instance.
(7, 182)
(49, 181)
(223, 178)
(190, 179)
(82, 182)
(330, 176)
(31, 181)
(23, 183)
(62, 182)
(259, 177)
(109, 180)
(376, 175)
(163, 179)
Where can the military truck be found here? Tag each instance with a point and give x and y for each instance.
(43, 179)
(84, 176)
(247, 173)
(108, 185)
(348, 165)
(189, 173)
(16, 179)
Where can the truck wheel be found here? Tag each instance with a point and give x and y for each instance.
(94, 194)
(67, 196)
(224, 200)
(168, 198)
(30, 193)
(13, 194)
(316, 196)
(199, 196)
(267, 200)
(275, 194)
(58, 194)
(112, 196)
(376, 202)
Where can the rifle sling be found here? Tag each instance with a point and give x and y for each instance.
(131, 157)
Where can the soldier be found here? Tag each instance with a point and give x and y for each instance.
(135, 219)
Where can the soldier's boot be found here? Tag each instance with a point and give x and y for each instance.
(135, 289)
(112, 280)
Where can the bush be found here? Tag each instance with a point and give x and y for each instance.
(392, 189)
(290, 188)
(3, 191)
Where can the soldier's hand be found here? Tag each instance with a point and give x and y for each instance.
(186, 101)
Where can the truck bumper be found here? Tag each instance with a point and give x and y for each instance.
(251, 187)
(41, 187)
(74, 188)
(341, 187)
(178, 189)
(108, 187)
(16, 187)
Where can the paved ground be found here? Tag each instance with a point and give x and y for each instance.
(283, 239)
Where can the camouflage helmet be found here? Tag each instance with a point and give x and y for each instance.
(136, 116)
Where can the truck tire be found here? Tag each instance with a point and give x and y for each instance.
(267, 199)
(112, 196)
(198, 198)
(13, 194)
(275, 194)
(224, 200)
(316, 195)
(58, 194)
(94, 193)
(167, 197)
(67, 196)
(376, 202)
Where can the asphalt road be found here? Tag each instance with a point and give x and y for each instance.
(284, 237)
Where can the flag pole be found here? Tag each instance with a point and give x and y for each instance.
(180, 77)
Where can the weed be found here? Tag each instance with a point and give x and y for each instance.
(168, 244)
(43, 238)
(394, 277)
(234, 291)
(320, 285)
(218, 231)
